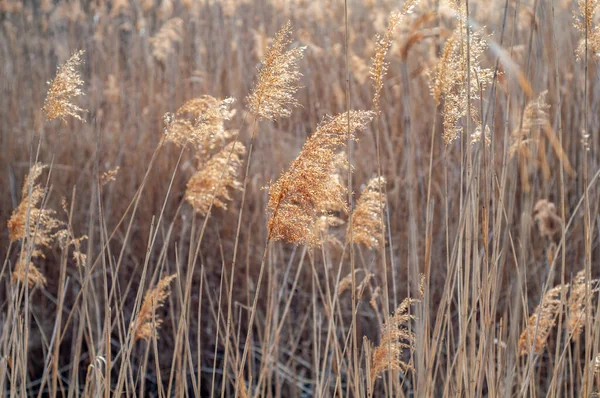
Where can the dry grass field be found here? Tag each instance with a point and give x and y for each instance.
(298, 198)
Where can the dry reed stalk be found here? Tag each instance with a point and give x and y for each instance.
(305, 191)
(146, 322)
(220, 173)
(540, 324)
(367, 228)
(273, 94)
(65, 86)
(169, 35)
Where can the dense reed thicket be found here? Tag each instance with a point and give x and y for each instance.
(299, 198)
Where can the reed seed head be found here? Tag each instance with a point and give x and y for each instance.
(367, 228)
(379, 65)
(169, 35)
(200, 122)
(310, 186)
(147, 322)
(65, 86)
(278, 79)
(541, 323)
(215, 177)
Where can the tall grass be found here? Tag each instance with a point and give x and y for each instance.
(295, 198)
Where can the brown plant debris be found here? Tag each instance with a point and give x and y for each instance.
(367, 228)
(65, 86)
(310, 186)
(215, 177)
(273, 94)
(147, 322)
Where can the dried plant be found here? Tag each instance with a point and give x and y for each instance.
(321, 232)
(366, 220)
(584, 23)
(549, 223)
(450, 81)
(108, 176)
(379, 65)
(28, 221)
(200, 122)
(65, 86)
(67, 239)
(395, 338)
(273, 94)
(346, 283)
(310, 186)
(146, 322)
(34, 226)
(577, 306)
(170, 34)
(32, 276)
(540, 324)
(535, 118)
(220, 172)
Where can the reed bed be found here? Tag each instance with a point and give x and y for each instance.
(284, 198)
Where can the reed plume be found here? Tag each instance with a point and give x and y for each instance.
(577, 305)
(200, 122)
(540, 324)
(305, 191)
(321, 230)
(34, 226)
(395, 338)
(584, 23)
(65, 86)
(147, 322)
(379, 65)
(220, 171)
(273, 94)
(163, 43)
(367, 228)
(535, 118)
(450, 81)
